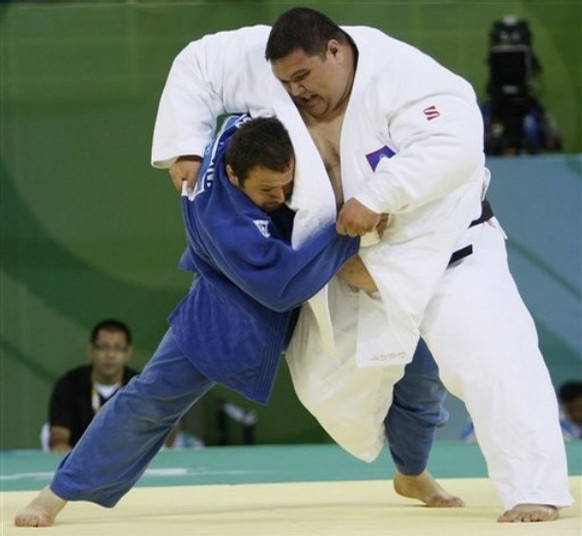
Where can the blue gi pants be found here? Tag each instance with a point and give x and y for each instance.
(131, 428)
(416, 412)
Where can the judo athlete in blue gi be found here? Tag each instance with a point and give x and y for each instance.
(231, 328)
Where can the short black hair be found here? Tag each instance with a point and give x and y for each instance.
(110, 324)
(301, 28)
(570, 391)
(263, 141)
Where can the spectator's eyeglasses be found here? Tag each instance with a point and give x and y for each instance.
(109, 348)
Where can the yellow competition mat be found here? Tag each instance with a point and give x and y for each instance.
(354, 508)
(281, 490)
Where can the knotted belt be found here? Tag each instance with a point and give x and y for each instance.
(486, 215)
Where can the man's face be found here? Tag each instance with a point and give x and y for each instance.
(109, 353)
(266, 188)
(317, 85)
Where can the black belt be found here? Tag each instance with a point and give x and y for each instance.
(486, 215)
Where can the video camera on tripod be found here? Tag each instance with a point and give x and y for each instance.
(515, 121)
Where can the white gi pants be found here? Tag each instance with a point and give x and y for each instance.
(485, 344)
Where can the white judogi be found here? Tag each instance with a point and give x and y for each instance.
(411, 146)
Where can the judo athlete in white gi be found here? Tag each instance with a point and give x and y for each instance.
(232, 326)
(406, 135)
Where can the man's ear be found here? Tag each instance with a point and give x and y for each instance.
(333, 47)
(232, 177)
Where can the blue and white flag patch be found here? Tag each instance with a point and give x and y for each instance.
(375, 156)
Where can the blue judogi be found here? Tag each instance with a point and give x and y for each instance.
(233, 324)
(231, 328)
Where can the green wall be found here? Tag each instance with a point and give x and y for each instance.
(89, 230)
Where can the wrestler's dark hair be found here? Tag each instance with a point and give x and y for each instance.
(301, 28)
(262, 141)
(110, 324)
(570, 391)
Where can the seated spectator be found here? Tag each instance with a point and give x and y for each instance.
(80, 393)
(570, 396)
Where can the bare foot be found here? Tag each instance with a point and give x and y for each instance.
(426, 489)
(529, 513)
(41, 511)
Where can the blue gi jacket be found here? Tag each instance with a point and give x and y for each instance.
(233, 323)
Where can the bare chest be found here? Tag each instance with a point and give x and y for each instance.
(326, 137)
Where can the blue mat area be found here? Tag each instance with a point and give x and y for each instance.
(30, 470)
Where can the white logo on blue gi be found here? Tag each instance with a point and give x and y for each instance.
(263, 227)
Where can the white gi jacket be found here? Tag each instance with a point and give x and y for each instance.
(411, 146)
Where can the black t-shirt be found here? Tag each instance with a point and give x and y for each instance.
(71, 403)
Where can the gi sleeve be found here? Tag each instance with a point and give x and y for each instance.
(437, 135)
(269, 270)
(220, 73)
